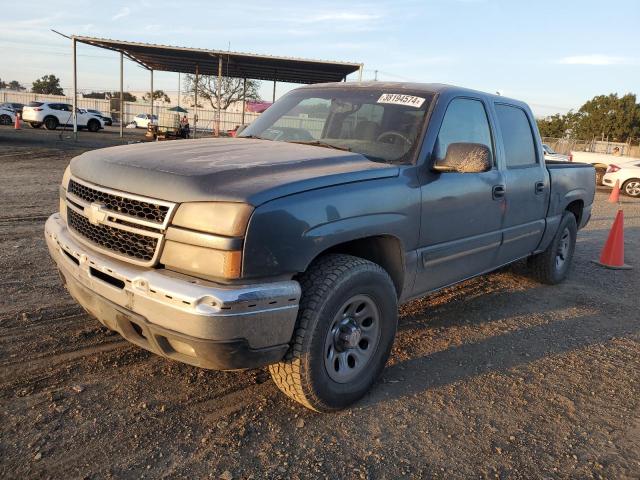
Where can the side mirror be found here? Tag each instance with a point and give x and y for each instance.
(465, 158)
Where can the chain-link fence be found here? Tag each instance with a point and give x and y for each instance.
(566, 145)
(206, 117)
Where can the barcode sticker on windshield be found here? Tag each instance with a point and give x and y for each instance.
(399, 99)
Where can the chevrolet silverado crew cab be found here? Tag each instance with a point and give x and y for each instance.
(293, 244)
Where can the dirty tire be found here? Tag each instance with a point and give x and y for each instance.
(545, 266)
(326, 286)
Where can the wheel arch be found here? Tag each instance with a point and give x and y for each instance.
(576, 207)
(383, 250)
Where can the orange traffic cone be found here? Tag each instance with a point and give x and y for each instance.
(612, 255)
(17, 124)
(615, 193)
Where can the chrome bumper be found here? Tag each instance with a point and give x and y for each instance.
(179, 307)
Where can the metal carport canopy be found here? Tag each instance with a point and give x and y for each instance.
(234, 64)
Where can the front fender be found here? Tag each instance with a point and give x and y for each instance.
(285, 235)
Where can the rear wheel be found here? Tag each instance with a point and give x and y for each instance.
(552, 265)
(51, 123)
(5, 120)
(343, 336)
(93, 126)
(632, 187)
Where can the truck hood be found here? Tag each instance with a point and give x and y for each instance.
(223, 169)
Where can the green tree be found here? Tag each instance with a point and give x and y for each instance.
(231, 90)
(48, 85)
(553, 126)
(609, 116)
(3, 84)
(157, 95)
(15, 85)
(128, 97)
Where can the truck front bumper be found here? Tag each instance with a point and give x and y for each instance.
(177, 316)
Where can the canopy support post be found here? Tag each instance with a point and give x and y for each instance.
(75, 92)
(219, 97)
(151, 94)
(121, 95)
(195, 106)
(244, 99)
(360, 72)
(274, 91)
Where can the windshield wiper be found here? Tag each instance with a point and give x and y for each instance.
(318, 143)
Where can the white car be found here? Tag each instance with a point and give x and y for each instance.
(7, 116)
(600, 161)
(53, 115)
(551, 154)
(627, 173)
(142, 120)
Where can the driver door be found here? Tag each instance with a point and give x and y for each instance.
(461, 214)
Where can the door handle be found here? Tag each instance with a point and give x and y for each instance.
(539, 188)
(498, 191)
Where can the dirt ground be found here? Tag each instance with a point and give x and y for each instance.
(498, 377)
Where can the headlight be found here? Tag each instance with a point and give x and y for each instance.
(63, 193)
(214, 254)
(222, 218)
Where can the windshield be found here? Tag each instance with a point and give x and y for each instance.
(380, 123)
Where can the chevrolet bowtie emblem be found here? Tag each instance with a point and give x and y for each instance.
(94, 213)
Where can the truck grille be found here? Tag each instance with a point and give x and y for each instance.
(118, 224)
(119, 203)
(126, 243)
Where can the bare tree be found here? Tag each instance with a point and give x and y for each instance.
(231, 90)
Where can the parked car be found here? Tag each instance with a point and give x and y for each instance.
(235, 253)
(550, 154)
(627, 173)
(105, 118)
(142, 120)
(600, 161)
(16, 107)
(7, 115)
(53, 115)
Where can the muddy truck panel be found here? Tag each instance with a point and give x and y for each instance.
(292, 245)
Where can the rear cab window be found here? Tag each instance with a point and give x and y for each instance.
(517, 136)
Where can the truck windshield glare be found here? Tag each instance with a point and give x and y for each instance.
(381, 124)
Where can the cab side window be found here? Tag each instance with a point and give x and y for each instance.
(465, 121)
(517, 136)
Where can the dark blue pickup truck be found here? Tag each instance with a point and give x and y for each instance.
(293, 244)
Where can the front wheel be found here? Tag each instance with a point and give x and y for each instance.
(552, 265)
(5, 120)
(632, 187)
(344, 333)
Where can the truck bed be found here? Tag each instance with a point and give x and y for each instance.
(570, 181)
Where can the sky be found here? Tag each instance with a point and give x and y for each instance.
(554, 55)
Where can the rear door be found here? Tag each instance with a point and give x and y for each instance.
(461, 214)
(527, 183)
